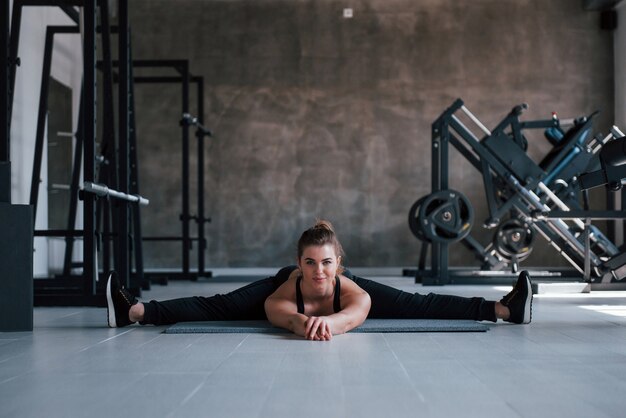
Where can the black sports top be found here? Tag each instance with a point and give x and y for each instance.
(336, 300)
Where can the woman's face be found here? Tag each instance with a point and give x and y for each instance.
(319, 263)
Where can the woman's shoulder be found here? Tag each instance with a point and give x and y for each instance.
(287, 288)
(348, 285)
(286, 272)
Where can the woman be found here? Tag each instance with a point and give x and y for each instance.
(317, 298)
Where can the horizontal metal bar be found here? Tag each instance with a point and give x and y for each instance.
(63, 29)
(165, 79)
(58, 233)
(538, 124)
(59, 3)
(154, 63)
(580, 214)
(79, 233)
(102, 190)
(164, 238)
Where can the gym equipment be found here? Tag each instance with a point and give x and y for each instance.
(110, 176)
(190, 120)
(86, 294)
(414, 223)
(513, 240)
(115, 169)
(444, 216)
(201, 133)
(370, 325)
(187, 121)
(103, 191)
(613, 163)
(539, 198)
(68, 289)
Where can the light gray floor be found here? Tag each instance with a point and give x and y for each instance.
(570, 362)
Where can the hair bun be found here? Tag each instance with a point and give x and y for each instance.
(324, 224)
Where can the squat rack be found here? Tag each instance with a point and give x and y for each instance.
(65, 292)
(124, 178)
(185, 78)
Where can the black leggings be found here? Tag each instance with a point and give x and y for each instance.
(247, 303)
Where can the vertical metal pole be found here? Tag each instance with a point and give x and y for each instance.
(611, 204)
(622, 222)
(435, 185)
(5, 167)
(587, 237)
(435, 182)
(134, 176)
(201, 220)
(587, 258)
(108, 172)
(185, 215)
(16, 21)
(123, 265)
(41, 121)
(134, 186)
(443, 276)
(89, 79)
(439, 181)
(76, 166)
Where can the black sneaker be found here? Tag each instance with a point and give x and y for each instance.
(119, 301)
(520, 300)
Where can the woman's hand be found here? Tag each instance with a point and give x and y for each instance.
(317, 328)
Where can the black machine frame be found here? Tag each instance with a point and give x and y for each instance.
(499, 161)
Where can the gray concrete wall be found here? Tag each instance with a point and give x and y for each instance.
(317, 116)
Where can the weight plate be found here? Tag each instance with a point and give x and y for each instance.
(445, 216)
(514, 239)
(414, 224)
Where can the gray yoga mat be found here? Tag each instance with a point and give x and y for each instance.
(370, 325)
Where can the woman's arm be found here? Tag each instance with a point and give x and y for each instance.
(281, 310)
(283, 313)
(355, 305)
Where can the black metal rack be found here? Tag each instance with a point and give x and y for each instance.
(66, 292)
(116, 170)
(185, 78)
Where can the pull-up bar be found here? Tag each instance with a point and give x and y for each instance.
(102, 190)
